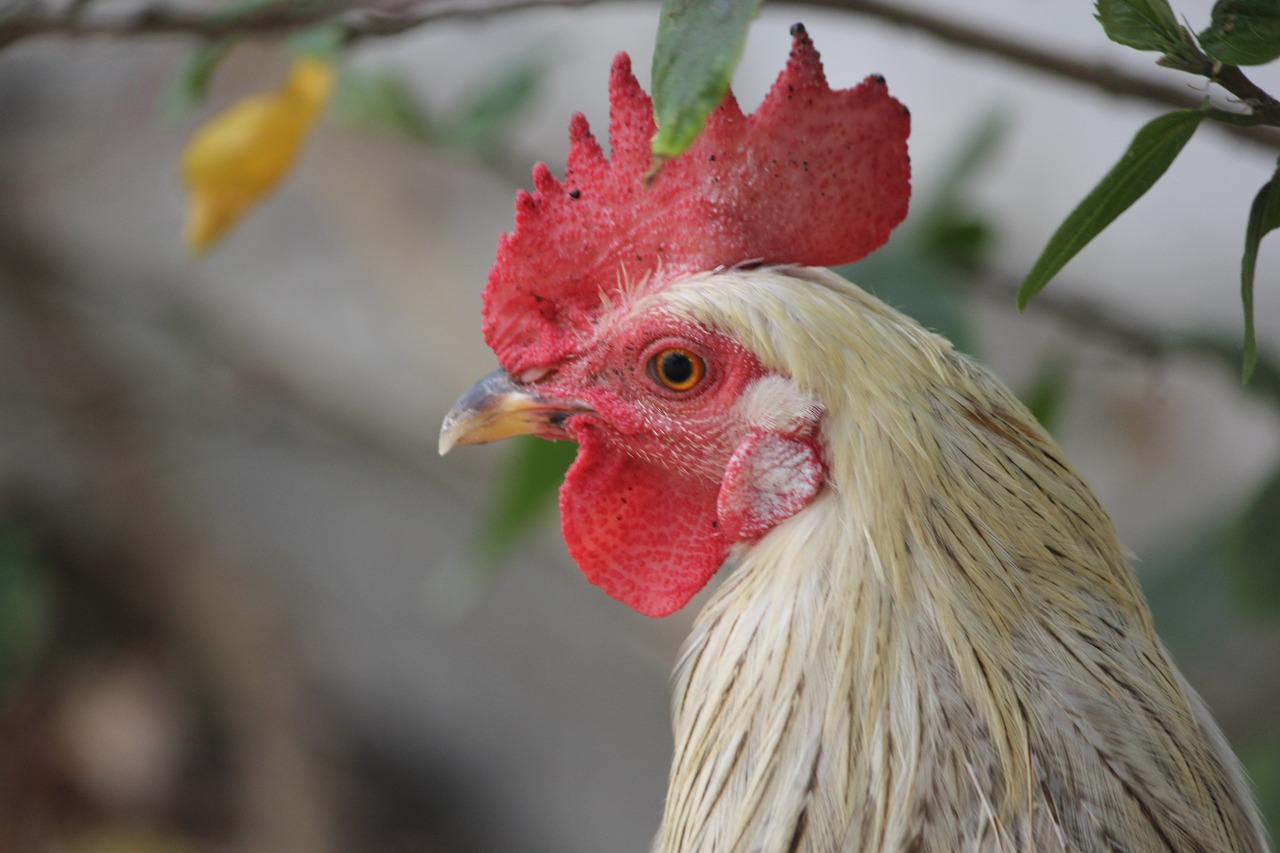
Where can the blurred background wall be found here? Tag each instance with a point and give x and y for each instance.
(237, 610)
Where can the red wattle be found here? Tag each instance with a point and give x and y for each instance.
(645, 535)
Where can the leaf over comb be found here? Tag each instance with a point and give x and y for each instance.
(814, 177)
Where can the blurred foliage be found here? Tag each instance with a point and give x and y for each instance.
(189, 87)
(25, 606)
(1212, 585)
(1253, 552)
(530, 480)
(1046, 396)
(386, 102)
(942, 240)
(1261, 758)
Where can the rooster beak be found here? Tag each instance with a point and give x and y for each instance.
(499, 407)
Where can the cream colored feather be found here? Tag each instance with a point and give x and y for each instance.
(945, 651)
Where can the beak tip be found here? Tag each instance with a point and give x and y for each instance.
(448, 433)
(499, 407)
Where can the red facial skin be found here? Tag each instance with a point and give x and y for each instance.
(639, 506)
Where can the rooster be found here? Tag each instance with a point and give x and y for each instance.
(932, 640)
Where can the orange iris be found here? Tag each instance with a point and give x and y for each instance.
(677, 368)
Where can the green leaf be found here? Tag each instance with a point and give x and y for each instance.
(1264, 217)
(921, 271)
(1141, 24)
(1243, 32)
(187, 91)
(1148, 157)
(535, 470)
(698, 47)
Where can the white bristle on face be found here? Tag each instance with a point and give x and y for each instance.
(774, 403)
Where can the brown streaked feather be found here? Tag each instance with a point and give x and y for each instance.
(945, 651)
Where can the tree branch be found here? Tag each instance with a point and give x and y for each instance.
(1053, 63)
(31, 18)
(1087, 319)
(28, 20)
(1234, 81)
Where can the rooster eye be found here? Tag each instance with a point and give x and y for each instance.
(677, 369)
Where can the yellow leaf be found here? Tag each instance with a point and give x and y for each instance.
(237, 157)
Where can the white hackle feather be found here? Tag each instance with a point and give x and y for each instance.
(945, 651)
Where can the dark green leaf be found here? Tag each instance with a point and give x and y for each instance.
(1141, 24)
(1243, 32)
(1254, 546)
(188, 90)
(534, 473)
(1264, 217)
(698, 47)
(1147, 158)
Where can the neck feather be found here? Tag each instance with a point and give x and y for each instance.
(903, 663)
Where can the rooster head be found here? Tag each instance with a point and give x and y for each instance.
(689, 442)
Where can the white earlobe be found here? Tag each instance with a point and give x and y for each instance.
(769, 478)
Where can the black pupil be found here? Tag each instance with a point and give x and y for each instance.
(677, 367)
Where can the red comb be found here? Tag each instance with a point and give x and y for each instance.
(814, 177)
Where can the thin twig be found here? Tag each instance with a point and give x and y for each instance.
(1085, 318)
(1234, 81)
(357, 21)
